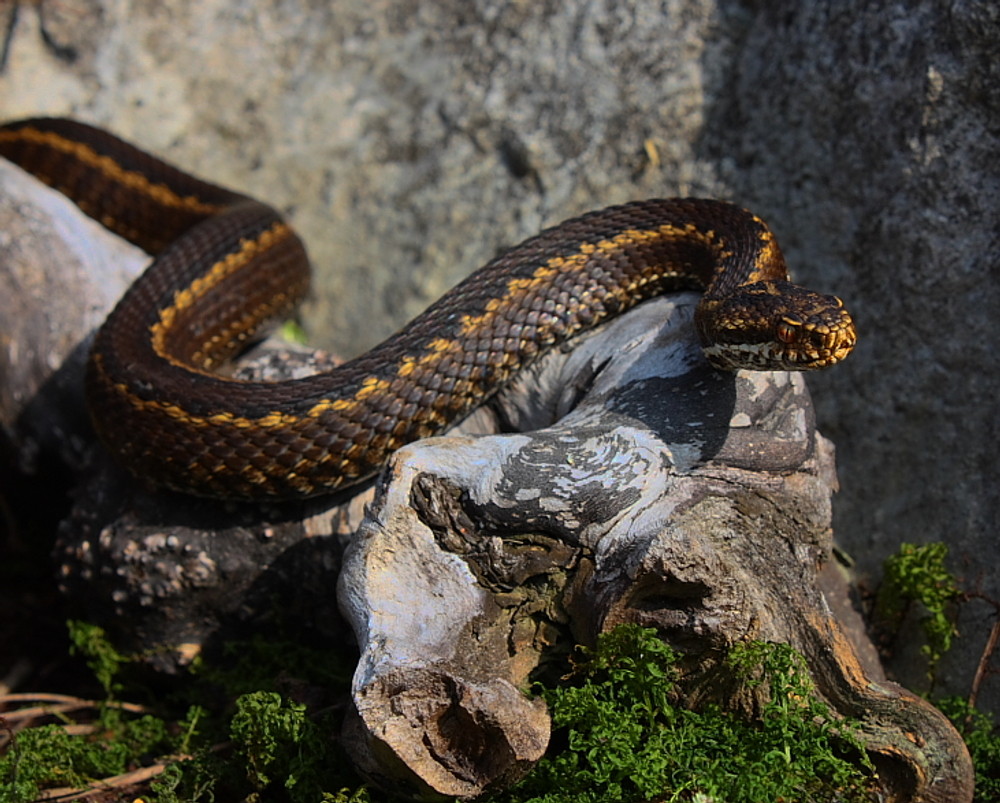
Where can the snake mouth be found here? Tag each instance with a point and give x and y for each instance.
(809, 362)
(817, 352)
(830, 345)
(806, 353)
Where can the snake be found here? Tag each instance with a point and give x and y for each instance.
(225, 266)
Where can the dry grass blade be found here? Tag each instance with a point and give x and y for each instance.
(104, 785)
(45, 705)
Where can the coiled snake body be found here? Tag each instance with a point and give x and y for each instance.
(225, 265)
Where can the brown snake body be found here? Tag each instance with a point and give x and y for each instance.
(225, 265)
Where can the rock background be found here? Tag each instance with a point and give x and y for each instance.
(410, 141)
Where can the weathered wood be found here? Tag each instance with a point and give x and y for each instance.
(668, 495)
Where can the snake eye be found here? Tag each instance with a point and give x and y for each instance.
(788, 329)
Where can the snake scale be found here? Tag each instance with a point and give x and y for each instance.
(226, 265)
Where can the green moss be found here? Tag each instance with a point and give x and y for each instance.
(280, 745)
(982, 736)
(619, 734)
(101, 656)
(622, 739)
(918, 575)
(113, 743)
(49, 755)
(618, 737)
(276, 752)
(279, 753)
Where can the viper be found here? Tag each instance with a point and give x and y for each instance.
(225, 266)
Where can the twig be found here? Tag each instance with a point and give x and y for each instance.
(128, 779)
(70, 700)
(132, 778)
(984, 661)
(50, 705)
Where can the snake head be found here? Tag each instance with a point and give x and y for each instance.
(774, 326)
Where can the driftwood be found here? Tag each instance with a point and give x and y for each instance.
(636, 485)
(668, 495)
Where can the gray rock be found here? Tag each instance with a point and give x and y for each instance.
(868, 134)
(61, 274)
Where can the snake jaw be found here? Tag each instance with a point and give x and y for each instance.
(820, 346)
(775, 326)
